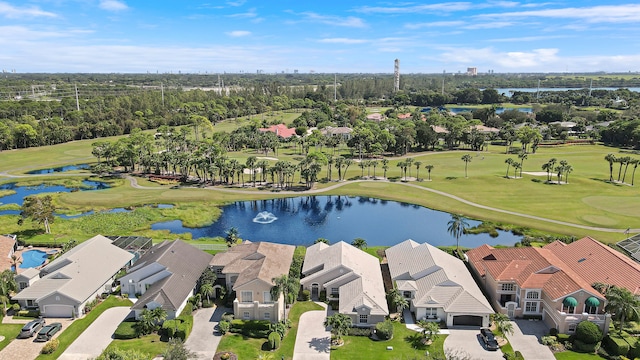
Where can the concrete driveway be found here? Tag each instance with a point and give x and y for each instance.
(466, 343)
(28, 349)
(526, 339)
(204, 338)
(97, 336)
(313, 341)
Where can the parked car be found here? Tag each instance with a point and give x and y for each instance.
(490, 342)
(47, 332)
(31, 328)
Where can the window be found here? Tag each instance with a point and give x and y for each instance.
(245, 315)
(591, 309)
(569, 309)
(363, 319)
(30, 303)
(507, 287)
(533, 295)
(431, 312)
(267, 297)
(23, 285)
(267, 316)
(407, 294)
(531, 306)
(247, 296)
(218, 271)
(335, 291)
(572, 328)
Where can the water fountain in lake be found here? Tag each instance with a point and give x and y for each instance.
(264, 217)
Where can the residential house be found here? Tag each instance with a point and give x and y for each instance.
(377, 117)
(26, 278)
(485, 129)
(340, 131)
(550, 283)
(8, 247)
(437, 286)
(249, 270)
(350, 277)
(64, 286)
(165, 276)
(281, 130)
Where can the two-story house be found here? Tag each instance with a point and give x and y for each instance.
(349, 276)
(165, 276)
(553, 283)
(248, 269)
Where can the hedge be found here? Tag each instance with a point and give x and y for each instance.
(179, 327)
(274, 340)
(251, 328)
(126, 330)
(384, 330)
(582, 347)
(616, 345)
(358, 331)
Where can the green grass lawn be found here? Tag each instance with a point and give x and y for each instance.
(406, 345)
(572, 355)
(76, 328)
(249, 348)
(10, 332)
(150, 345)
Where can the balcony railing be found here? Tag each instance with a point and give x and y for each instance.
(596, 318)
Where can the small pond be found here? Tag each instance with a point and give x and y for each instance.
(302, 220)
(60, 169)
(23, 191)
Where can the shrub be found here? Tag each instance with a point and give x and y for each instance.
(251, 328)
(357, 331)
(588, 332)
(15, 308)
(549, 340)
(126, 330)
(179, 327)
(227, 317)
(519, 355)
(615, 345)
(224, 326)
(323, 296)
(274, 340)
(306, 295)
(50, 347)
(553, 332)
(384, 330)
(580, 346)
(29, 313)
(188, 310)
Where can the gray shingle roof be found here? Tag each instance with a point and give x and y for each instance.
(185, 263)
(79, 272)
(440, 279)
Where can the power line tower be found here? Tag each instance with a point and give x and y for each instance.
(396, 75)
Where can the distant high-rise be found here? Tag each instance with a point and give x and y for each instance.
(396, 75)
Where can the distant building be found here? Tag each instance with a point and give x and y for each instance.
(472, 71)
(281, 130)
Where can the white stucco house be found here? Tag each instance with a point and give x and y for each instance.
(165, 276)
(63, 287)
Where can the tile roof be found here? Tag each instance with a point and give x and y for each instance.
(184, 262)
(257, 260)
(79, 272)
(281, 130)
(440, 279)
(7, 245)
(363, 285)
(597, 262)
(530, 267)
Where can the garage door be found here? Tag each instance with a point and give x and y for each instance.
(58, 311)
(467, 320)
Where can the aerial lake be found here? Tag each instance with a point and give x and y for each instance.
(302, 220)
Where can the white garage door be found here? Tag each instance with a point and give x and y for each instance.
(58, 311)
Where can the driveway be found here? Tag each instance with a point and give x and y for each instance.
(97, 336)
(467, 344)
(204, 338)
(526, 339)
(313, 341)
(27, 349)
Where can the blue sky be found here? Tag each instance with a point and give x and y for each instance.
(322, 36)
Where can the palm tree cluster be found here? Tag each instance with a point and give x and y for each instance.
(622, 161)
(621, 303)
(563, 168)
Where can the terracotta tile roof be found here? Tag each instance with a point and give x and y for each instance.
(404, 116)
(281, 130)
(439, 129)
(597, 262)
(7, 246)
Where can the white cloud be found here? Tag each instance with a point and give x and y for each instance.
(446, 7)
(595, 14)
(9, 11)
(22, 34)
(489, 25)
(238, 33)
(529, 38)
(416, 26)
(349, 21)
(236, 3)
(343, 41)
(113, 5)
(251, 13)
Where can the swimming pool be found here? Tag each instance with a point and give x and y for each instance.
(33, 258)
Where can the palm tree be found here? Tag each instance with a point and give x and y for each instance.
(635, 166)
(621, 162)
(408, 163)
(284, 285)
(522, 156)
(509, 162)
(359, 243)
(402, 165)
(467, 159)
(503, 323)
(232, 236)
(339, 323)
(429, 168)
(429, 330)
(516, 167)
(456, 227)
(159, 315)
(418, 164)
(207, 290)
(374, 163)
(321, 240)
(251, 164)
(550, 166)
(622, 303)
(567, 170)
(15, 262)
(611, 159)
(385, 167)
(627, 160)
(8, 285)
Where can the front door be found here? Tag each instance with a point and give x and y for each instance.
(314, 291)
(511, 310)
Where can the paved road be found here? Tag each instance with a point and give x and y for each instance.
(97, 336)
(525, 338)
(466, 343)
(204, 339)
(313, 341)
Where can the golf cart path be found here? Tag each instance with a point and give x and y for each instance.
(134, 184)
